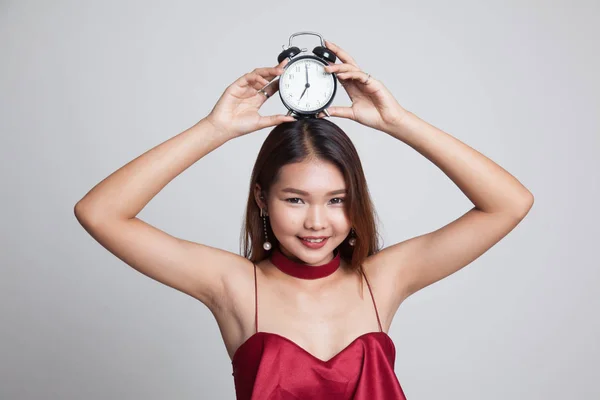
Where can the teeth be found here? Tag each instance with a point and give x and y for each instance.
(314, 240)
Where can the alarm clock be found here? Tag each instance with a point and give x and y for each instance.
(305, 88)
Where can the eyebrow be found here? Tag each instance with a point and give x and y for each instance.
(302, 192)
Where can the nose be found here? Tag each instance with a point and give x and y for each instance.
(316, 218)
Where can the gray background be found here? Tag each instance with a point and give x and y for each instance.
(85, 88)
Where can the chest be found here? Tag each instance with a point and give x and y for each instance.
(321, 324)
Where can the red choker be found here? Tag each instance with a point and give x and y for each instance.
(303, 271)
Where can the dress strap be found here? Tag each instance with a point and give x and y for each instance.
(255, 301)
(373, 298)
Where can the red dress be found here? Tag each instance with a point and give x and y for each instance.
(268, 366)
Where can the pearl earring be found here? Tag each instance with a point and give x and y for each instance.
(352, 240)
(266, 244)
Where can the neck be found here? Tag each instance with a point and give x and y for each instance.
(296, 268)
(296, 260)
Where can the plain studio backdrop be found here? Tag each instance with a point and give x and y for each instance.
(86, 87)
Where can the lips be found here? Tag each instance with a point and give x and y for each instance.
(312, 245)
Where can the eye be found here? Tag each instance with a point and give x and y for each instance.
(292, 200)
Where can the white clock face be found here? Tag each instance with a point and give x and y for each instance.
(306, 86)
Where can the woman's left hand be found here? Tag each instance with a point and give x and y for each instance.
(372, 104)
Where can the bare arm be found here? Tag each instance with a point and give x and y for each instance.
(108, 212)
(126, 192)
(500, 200)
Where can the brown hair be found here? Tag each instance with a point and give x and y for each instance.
(301, 140)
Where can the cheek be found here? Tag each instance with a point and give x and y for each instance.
(342, 226)
(284, 222)
(340, 220)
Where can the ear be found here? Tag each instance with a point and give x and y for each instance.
(259, 197)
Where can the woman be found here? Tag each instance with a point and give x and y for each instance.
(310, 238)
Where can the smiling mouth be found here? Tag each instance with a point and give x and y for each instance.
(314, 240)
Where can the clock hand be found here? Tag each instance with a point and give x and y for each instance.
(306, 87)
(306, 67)
(307, 84)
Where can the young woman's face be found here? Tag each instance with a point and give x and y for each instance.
(308, 200)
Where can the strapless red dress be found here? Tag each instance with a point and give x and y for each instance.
(268, 366)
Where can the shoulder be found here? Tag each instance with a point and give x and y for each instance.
(240, 288)
(388, 291)
(238, 284)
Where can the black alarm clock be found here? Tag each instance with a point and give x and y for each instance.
(305, 88)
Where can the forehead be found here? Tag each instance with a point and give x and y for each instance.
(311, 176)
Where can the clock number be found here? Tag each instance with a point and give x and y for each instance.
(297, 68)
(291, 76)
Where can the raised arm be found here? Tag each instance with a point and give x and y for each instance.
(500, 200)
(500, 203)
(108, 211)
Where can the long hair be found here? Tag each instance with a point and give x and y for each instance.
(297, 141)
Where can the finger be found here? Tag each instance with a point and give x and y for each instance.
(254, 80)
(258, 79)
(340, 53)
(274, 78)
(273, 120)
(342, 112)
(360, 76)
(283, 63)
(270, 88)
(250, 79)
(341, 68)
(269, 72)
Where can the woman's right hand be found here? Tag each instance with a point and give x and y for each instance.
(236, 111)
